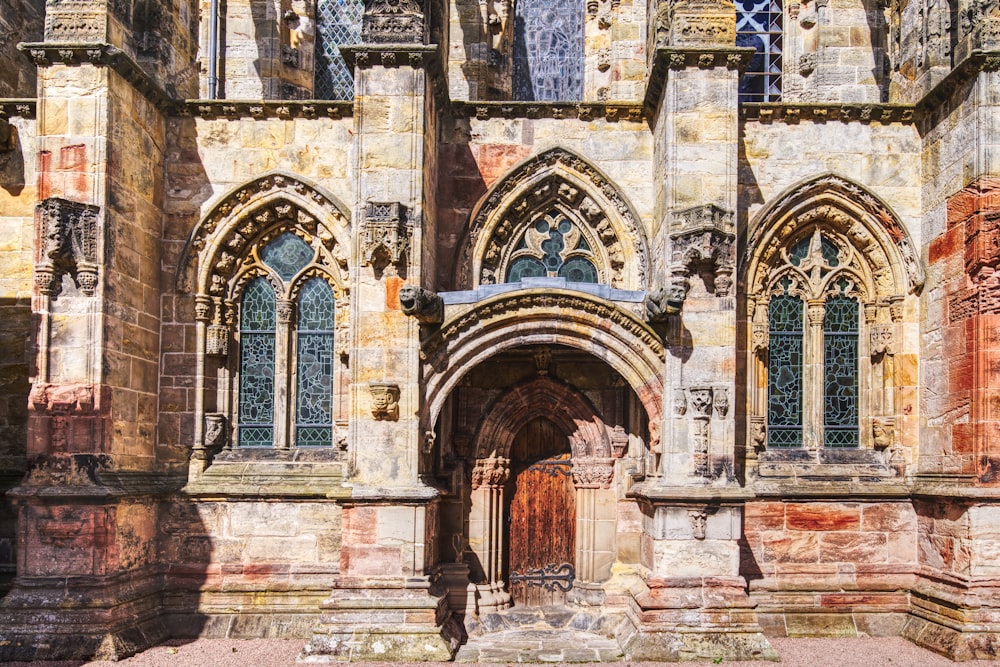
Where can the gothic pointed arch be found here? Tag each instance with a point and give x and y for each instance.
(550, 317)
(559, 195)
(826, 271)
(847, 209)
(266, 206)
(543, 396)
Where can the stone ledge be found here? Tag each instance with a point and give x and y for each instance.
(696, 495)
(584, 111)
(270, 479)
(263, 109)
(792, 112)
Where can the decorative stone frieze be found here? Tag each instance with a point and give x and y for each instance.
(385, 400)
(423, 304)
(69, 245)
(593, 473)
(792, 112)
(385, 234)
(393, 22)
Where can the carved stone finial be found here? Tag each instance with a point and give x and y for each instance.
(422, 304)
(385, 400)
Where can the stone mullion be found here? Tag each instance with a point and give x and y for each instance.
(812, 376)
(283, 367)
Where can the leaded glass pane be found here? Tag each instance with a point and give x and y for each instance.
(548, 50)
(338, 23)
(784, 372)
(525, 267)
(314, 392)
(287, 254)
(578, 270)
(840, 362)
(257, 321)
(758, 25)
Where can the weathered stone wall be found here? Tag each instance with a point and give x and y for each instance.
(17, 194)
(833, 568)
(22, 21)
(247, 568)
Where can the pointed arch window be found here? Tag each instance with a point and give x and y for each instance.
(548, 50)
(286, 363)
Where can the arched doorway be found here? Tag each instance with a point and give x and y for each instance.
(541, 516)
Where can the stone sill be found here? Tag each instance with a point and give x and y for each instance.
(270, 479)
(800, 487)
(699, 495)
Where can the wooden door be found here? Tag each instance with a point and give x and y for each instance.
(542, 516)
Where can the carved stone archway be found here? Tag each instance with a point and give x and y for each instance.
(545, 317)
(592, 471)
(560, 180)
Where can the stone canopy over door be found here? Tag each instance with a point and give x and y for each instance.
(541, 518)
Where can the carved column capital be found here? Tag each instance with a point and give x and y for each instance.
(491, 473)
(593, 473)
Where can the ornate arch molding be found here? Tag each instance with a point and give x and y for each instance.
(251, 215)
(556, 179)
(543, 397)
(844, 207)
(552, 317)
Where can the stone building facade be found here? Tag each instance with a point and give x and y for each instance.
(386, 324)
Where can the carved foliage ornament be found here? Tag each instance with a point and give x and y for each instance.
(69, 245)
(393, 22)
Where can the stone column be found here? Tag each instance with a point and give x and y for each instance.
(595, 527)
(486, 523)
(382, 606)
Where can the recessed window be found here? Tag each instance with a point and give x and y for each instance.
(338, 23)
(759, 25)
(548, 50)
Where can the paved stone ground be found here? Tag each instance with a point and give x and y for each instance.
(852, 652)
(548, 646)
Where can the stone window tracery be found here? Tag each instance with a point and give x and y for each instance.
(552, 246)
(759, 24)
(548, 50)
(811, 319)
(273, 391)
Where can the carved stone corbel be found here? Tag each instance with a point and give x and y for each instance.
(422, 304)
(385, 400)
(216, 432)
(883, 433)
(69, 245)
(593, 473)
(491, 473)
(666, 301)
(704, 235)
(386, 232)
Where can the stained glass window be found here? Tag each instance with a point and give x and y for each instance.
(338, 23)
(548, 50)
(840, 363)
(784, 372)
(287, 254)
(314, 389)
(758, 24)
(556, 236)
(257, 328)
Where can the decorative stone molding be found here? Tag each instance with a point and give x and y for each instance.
(593, 473)
(760, 338)
(789, 112)
(423, 304)
(217, 340)
(249, 217)
(385, 400)
(385, 232)
(393, 22)
(490, 472)
(69, 245)
(611, 111)
(882, 339)
(261, 109)
(556, 179)
(63, 398)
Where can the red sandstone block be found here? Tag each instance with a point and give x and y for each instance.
(889, 517)
(949, 245)
(783, 547)
(764, 516)
(359, 525)
(883, 601)
(495, 160)
(370, 561)
(961, 205)
(963, 438)
(854, 548)
(822, 516)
